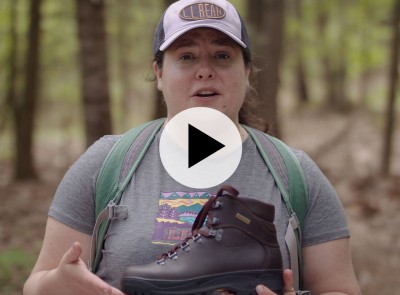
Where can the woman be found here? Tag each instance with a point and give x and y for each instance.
(202, 58)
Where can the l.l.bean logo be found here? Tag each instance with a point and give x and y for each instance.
(202, 11)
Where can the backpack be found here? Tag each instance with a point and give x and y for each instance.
(125, 156)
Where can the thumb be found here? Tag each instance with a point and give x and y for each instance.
(73, 254)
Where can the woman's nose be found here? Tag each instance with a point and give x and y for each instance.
(205, 71)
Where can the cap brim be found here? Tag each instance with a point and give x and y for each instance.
(187, 28)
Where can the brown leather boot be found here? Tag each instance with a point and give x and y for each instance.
(235, 250)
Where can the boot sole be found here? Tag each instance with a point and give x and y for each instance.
(239, 283)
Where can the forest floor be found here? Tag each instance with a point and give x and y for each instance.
(346, 147)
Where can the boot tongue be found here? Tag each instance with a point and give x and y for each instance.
(230, 190)
(225, 190)
(197, 228)
(202, 215)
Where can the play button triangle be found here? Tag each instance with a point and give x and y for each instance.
(201, 146)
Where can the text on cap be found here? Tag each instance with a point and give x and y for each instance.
(202, 11)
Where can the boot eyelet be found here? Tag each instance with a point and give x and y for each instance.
(161, 261)
(215, 221)
(218, 235)
(217, 205)
(173, 255)
(185, 247)
(198, 238)
(212, 232)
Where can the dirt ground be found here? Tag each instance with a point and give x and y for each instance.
(346, 147)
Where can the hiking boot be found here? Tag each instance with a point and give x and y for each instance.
(233, 247)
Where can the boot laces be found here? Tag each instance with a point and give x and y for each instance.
(196, 235)
(197, 231)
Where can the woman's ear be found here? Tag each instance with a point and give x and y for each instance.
(158, 73)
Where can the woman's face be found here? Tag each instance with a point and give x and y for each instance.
(203, 68)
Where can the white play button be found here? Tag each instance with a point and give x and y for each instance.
(200, 147)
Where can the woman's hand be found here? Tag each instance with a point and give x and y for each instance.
(71, 277)
(287, 288)
(74, 274)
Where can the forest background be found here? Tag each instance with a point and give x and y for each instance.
(71, 71)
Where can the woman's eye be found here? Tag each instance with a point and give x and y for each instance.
(222, 56)
(186, 57)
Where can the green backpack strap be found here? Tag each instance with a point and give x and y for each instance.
(115, 174)
(289, 177)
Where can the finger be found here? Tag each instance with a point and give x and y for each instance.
(288, 281)
(109, 290)
(262, 290)
(97, 285)
(116, 292)
(287, 285)
(73, 254)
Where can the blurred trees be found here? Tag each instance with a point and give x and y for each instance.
(393, 70)
(301, 87)
(334, 52)
(23, 103)
(159, 106)
(94, 61)
(267, 19)
(331, 54)
(11, 64)
(123, 50)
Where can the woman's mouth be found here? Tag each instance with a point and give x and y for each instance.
(206, 94)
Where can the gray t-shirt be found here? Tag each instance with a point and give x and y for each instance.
(161, 211)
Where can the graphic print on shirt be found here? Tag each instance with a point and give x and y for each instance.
(176, 214)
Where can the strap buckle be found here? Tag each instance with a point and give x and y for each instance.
(291, 243)
(116, 211)
(112, 211)
(294, 221)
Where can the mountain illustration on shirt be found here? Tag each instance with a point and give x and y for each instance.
(176, 214)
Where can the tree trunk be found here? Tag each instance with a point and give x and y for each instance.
(10, 100)
(327, 67)
(24, 108)
(341, 102)
(393, 80)
(159, 105)
(365, 55)
(301, 80)
(94, 69)
(267, 20)
(124, 50)
(333, 57)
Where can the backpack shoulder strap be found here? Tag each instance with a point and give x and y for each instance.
(289, 177)
(115, 174)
